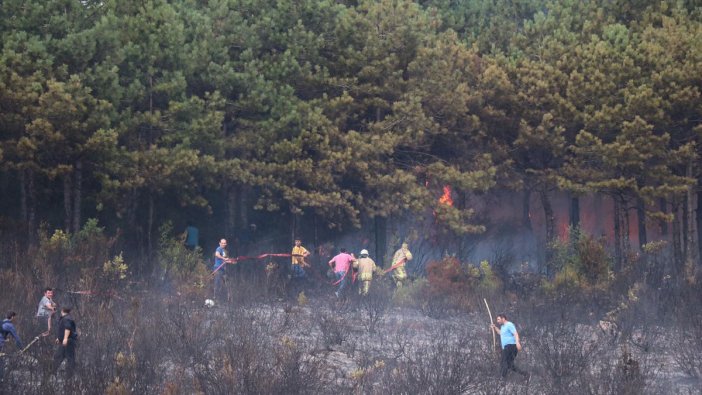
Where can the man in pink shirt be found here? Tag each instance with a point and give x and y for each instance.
(341, 265)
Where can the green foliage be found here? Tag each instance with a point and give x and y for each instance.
(78, 260)
(302, 299)
(115, 268)
(488, 280)
(458, 285)
(91, 246)
(344, 110)
(88, 248)
(580, 262)
(412, 294)
(90, 231)
(174, 258)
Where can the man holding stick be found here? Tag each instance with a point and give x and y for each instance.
(511, 345)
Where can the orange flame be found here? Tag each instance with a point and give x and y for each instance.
(446, 197)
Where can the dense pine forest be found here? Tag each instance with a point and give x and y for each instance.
(447, 124)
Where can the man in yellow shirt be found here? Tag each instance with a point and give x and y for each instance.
(299, 253)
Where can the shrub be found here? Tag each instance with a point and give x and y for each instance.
(115, 268)
(412, 294)
(375, 305)
(489, 282)
(176, 260)
(578, 264)
(458, 287)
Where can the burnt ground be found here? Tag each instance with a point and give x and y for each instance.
(271, 340)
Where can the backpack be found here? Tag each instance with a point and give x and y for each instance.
(3, 332)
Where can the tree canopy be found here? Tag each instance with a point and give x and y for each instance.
(130, 111)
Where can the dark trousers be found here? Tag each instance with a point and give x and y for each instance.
(2, 365)
(219, 285)
(507, 362)
(67, 352)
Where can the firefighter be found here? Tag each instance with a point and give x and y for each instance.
(365, 266)
(399, 274)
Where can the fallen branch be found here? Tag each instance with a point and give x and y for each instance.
(30, 343)
(494, 341)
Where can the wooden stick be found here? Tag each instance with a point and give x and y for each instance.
(30, 344)
(494, 341)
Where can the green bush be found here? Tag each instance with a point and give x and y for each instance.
(63, 259)
(177, 261)
(580, 262)
(457, 285)
(412, 293)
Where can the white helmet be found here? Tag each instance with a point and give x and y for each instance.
(364, 252)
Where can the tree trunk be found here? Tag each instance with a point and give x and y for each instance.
(244, 207)
(133, 234)
(677, 232)
(641, 220)
(698, 219)
(316, 233)
(77, 194)
(380, 239)
(27, 198)
(295, 223)
(685, 230)
(575, 213)
(67, 214)
(230, 209)
(150, 225)
(31, 208)
(550, 223)
(549, 217)
(617, 235)
(626, 245)
(526, 216)
(692, 248)
(23, 196)
(663, 205)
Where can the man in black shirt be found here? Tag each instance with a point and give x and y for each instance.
(66, 337)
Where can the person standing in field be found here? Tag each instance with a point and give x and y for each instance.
(366, 266)
(399, 259)
(6, 330)
(220, 260)
(66, 338)
(299, 253)
(46, 310)
(511, 345)
(341, 264)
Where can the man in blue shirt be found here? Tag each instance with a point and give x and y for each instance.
(510, 344)
(8, 329)
(221, 259)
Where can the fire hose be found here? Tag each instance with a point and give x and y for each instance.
(243, 258)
